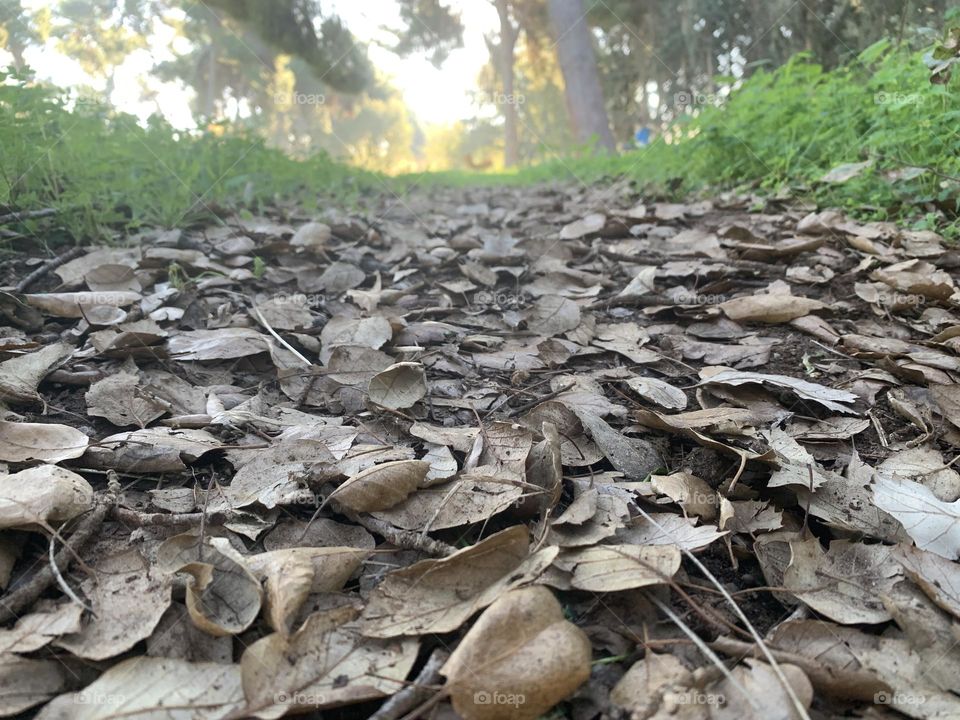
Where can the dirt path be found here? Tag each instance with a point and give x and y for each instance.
(308, 453)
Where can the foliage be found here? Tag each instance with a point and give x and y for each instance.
(783, 130)
(103, 170)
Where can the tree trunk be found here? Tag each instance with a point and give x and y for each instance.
(588, 114)
(508, 103)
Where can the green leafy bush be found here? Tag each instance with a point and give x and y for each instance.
(781, 131)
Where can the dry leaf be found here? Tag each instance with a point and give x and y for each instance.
(382, 486)
(128, 598)
(42, 495)
(291, 574)
(20, 376)
(44, 442)
(25, 683)
(933, 525)
(147, 687)
(435, 596)
(119, 399)
(769, 308)
(518, 660)
(325, 663)
(399, 386)
(223, 597)
(610, 568)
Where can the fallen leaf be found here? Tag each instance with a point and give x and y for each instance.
(933, 525)
(223, 596)
(128, 598)
(44, 442)
(610, 568)
(154, 687)
(399, 386)
(119, 399)
(20, 376)
(42, 495)
(519, 659)
(325, 663)
(436, 596)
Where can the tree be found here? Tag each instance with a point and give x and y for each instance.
(588, 114)
(289, 26)
(502, 54)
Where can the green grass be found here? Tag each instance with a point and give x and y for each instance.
(781, 131)
(102, 171)
(777, 134)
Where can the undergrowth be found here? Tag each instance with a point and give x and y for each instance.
(102, 171)
(777, 134)
(781, 131)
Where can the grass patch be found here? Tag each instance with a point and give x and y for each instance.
(777, 134)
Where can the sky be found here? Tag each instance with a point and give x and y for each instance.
(434, 95)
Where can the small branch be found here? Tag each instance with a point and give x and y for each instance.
(48, 266)
(404, 539)
(26, 215)
(194, 519)
(536, 401)
(416, 692)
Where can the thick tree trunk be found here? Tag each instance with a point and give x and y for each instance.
(508, 103)
(581, 79)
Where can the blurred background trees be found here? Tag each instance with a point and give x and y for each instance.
(562, 74)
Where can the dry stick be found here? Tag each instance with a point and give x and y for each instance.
(416, 692)
(139, 519)
(774, 665)
(61, 582)
(48, 266)
(404, 539)
(536, 401)
(288, 346)
(703, 647)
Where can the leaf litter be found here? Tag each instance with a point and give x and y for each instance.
(570, 453)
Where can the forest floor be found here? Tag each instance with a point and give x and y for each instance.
(488, 453)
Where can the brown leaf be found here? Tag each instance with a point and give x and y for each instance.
(435, 596)
(519, 659)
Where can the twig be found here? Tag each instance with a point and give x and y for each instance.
(405, 539)
(27, 215)
(415, 693)
(61, 582)
(139, 519)
(48, 266)
(269, 328)
(536, 401)
(774, 665)
(703, 647)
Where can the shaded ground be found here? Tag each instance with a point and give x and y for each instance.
(265, 428)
